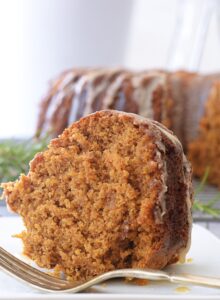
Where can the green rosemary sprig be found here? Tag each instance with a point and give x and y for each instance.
(209, 206)
(16, 155)
(203, 182)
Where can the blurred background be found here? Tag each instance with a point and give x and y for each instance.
(41, 38)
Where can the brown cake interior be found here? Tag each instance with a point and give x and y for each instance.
(93, 201)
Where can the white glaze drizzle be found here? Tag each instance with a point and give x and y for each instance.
(143, 95)
(187, 175)
(113, 89)
(76, 88)
(66, 80)
(92, 90)
(62, 90)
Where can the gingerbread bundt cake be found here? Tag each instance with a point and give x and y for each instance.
(177, 100)
(77, 93)
(112, 191)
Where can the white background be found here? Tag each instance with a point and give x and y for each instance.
(40, 38)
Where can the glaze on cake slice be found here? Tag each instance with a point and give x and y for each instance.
(112, 191)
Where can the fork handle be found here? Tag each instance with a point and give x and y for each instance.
(195, 279)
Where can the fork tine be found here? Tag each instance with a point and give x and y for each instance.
(27, 268)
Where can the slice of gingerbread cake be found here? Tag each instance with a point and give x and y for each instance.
(112, 191)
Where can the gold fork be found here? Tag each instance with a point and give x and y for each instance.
(42, 281)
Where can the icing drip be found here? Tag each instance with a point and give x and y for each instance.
(93, 90)
(70, 76)
(76, 88)
(158, 214)
(187, 176)
(63, 89)
(178, 98)
(112, 90)
(143, 94)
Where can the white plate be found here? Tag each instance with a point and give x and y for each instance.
(205, 254)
